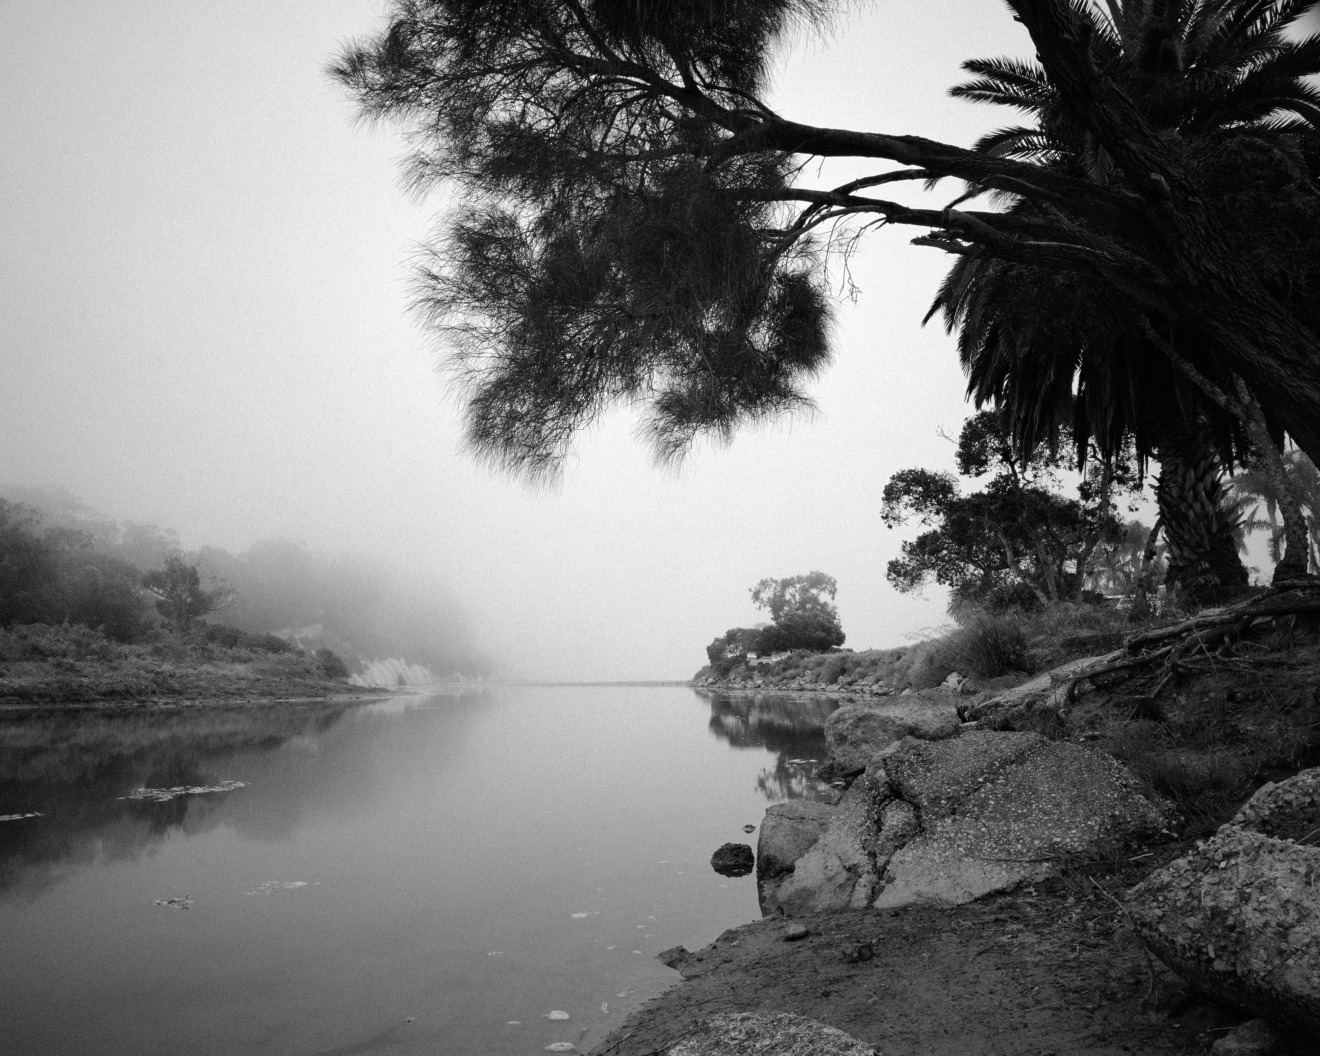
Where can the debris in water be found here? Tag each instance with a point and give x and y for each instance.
(164, 795)
(605, 1007)
(513, 1023)
(182, 902)
(266, 887)
(19, 817)
(556, 1015)
(749, 828)
(579, 916)
(561, 1046)
(495, 953)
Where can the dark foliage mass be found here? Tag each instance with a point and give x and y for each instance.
(804, 618)
(61, 563)
(597, 258)
(57, 575)
(1018, 541)
(638, 227)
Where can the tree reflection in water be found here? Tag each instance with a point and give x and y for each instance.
(793, 727)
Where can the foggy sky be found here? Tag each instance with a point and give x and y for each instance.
(204, 325)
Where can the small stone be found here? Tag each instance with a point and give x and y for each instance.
(857, 951)
(674, 957)
(733, 859)
(794, 932)
(1253, 1038)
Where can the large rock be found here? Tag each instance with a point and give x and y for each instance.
(787, 833)
(1240, 919)
(766, 1034)
(1240, 916)
(935, 777)
(859, 732)
(1289, 810)
(839, 870)
(1018, 817)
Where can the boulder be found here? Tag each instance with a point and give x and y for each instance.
(934, 777)
(1289, 810)
(733, 859)
(838, 871)
(1033, 805)
(787, 833)
(858, 732)
(764, 1033)
(1240, 917)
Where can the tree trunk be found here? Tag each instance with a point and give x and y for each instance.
(1204, 565)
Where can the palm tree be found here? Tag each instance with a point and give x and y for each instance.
(1223, 80)
(1288, 530)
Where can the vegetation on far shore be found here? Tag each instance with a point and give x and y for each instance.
(41, 664)
(78, 588)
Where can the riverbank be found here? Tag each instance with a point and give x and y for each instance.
(44, 667)
(1219, 709)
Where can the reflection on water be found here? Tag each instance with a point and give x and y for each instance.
(413, 875)
(77, 769)
(790, 726)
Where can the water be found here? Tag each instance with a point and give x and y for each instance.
(465, 864)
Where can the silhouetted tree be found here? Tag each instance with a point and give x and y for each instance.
(1017, 532)
(636, 224)
(803, 613)
(181, 598)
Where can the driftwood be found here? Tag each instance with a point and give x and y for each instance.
(1215, 634)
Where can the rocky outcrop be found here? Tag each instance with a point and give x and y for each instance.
(787, 833)
(1002, 809)
(1240, 917)
(746, 1033)
(952, 820)
(859, 733)
(838, 871)
(1289, 810)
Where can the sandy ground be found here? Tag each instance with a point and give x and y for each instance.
(1054, 970)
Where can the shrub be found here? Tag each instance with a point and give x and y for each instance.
(232, 638)
(987, 644)
(331, 665)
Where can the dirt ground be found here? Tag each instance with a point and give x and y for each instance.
(1050, 970)
(991, 978)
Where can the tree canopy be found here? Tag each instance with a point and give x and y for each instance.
(638, 225)
(1016, 540)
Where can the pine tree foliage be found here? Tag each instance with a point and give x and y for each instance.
(638, 227)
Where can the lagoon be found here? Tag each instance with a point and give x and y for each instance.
(425, 873)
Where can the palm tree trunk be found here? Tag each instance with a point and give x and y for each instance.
(1203, 558)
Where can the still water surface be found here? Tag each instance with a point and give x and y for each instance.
(467, 862)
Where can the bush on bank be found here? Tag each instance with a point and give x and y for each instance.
(981, 644)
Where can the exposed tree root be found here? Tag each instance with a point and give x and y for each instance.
(1209, 639)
